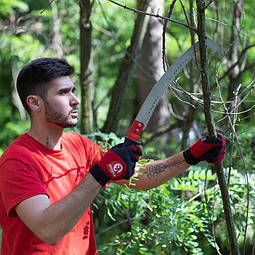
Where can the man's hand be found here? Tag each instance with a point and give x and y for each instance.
(118, 163)
(210, 149)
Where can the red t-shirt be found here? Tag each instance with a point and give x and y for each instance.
(28, 168)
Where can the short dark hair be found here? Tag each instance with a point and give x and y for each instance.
(34, 78)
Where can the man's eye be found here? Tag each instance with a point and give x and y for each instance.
(63, 92)
(66, 91)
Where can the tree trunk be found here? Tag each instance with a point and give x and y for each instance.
(125, 73)
(57, 40)
(152, 67)
(233, 56)
(85, 67)
(211, 126)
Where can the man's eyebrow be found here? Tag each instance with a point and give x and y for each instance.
(67, 88)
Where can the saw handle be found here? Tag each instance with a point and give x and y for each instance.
(131, 142)
(135, 131)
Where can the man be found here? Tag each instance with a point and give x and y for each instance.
(49, 178)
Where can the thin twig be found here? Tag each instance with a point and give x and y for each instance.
(250, 87)
(161, 131)
(191, 34)
(165, 65)
(209, 4)
(241, 155)
(233, 113)
(242, 54)
(50, 3)
(111, 227)
(146, 73)
(180, 99)
(154, 15)
(184, 11)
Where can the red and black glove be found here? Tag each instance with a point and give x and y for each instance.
(118, 163)
(210, 149)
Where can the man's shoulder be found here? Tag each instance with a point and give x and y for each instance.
(20, 143)
(18, 148)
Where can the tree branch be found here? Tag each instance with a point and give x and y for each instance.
(161, 131)
(165, 65)
(154, 15)
(211, 126)
(209, 4)
(243, 52)
(47, 7)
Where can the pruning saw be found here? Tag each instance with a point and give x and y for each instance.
(152, 100)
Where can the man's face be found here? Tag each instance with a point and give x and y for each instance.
(60, 104)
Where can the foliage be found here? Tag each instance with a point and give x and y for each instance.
(9, 6)
(183, 216)
(105, 140)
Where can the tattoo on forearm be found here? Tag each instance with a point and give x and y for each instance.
(155, 170)
(176, 163)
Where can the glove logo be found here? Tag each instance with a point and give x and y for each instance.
(116, 168)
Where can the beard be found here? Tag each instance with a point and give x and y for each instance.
(60, 118)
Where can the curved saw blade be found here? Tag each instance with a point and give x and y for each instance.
(156, 93)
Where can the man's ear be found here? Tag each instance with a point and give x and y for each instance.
(34, 103)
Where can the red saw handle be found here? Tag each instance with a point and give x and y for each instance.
(135, 130)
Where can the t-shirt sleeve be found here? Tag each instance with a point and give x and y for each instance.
(93, 152)
(96, 153)
(19, 180)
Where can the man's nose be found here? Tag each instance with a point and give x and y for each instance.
(75, 100)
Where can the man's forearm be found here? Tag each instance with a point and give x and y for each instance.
(62, 216)
(52, 222)
(157, 172)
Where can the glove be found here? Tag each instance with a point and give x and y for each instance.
(210, 149)
(118, 163)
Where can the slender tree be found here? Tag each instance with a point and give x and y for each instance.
(86, 84)
(57, 38)
(125, 72)
(152, 67)
(211, 125)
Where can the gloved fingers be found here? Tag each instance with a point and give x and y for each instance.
(216, 155)
(221, 155)
(133, 154)
(130, 172)
(137, 149)
(128, 152)
(213, 140)
(222, 138)
(135, 146)
(219, 160)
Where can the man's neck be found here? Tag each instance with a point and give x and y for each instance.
(50, 137)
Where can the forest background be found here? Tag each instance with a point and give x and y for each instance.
(119, 53)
